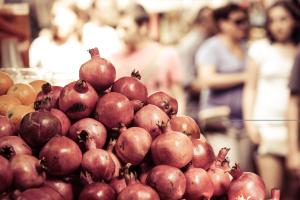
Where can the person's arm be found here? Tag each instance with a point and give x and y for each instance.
(249, 94)
(212, 79)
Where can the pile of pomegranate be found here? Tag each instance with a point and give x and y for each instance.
(98, 138)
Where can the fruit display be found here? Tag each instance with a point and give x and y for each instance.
(100, 138)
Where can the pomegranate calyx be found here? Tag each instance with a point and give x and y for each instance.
(46, 88)
(94, 52)
(7, 151)
(136, 74)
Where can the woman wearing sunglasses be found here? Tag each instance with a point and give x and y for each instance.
(221, 63)
(266, 92)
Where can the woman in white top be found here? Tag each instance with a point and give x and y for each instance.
(266, 92)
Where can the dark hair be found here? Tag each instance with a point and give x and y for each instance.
(199, 17)
(292, 10)
(138, 13)
(223, 12)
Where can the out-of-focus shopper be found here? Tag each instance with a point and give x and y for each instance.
(59, 50)
(267, 94)
(159, 66)
(203, 27)
(98, 31)
(221, 63)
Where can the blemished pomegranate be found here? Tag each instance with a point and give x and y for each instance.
(168, 181)
(78, 99)
(133, 144)
(88, 133)
(165, 102)
(99, 72)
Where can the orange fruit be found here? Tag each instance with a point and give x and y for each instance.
(24, 92)
(5, 82)
(17, 113)
(37, 85)
(7, 102)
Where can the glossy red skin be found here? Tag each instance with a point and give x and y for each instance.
(96, 133)
(249, 186)
(220, 179)
(160, 98)
(18, 145)
(27, 171)
(148, 117)
(97, 191)
(169, 182)
(98, 164)
(133, 89)
(6, 127)
(70, 96)
(64, 120)
(172, 148)
(117, 163)
(53, 95)
(133, 144)
(198, 184)
(6, 174)
(61, 155)
(99, 72)
(138, 191)
(63, 188)
(203, 154)
(185, 124)
(42, 193)
(118, 184)
(114, 109)
(37, 128)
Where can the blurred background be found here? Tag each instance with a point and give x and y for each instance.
(233, 66)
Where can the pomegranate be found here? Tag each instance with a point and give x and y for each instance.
(168, 181)
(133, 144)
(246, 185)
(97, 165)
(60, 156)
(110, 149)
(88, 133)
(51, 93)
(64, 120)
(98, 191)
(275, 194)
(203, 153)
(133, 89)
(138, 191)
(27, 171)
(198, 184)
(114, 110)
(99, 72)
(164, 101)
(44, 193)
(13, 145)
(78, 99)
(186, 125)
(6, 127)
(118, 184)
(63, 188)
(6, 175)
(152, 119)
(37, 128)
(172, 148)
(219, 177)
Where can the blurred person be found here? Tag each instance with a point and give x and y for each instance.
(99, 31)
(159, 66)
(59, 50)
(221, 63)
(267, 94)
(203, 27)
